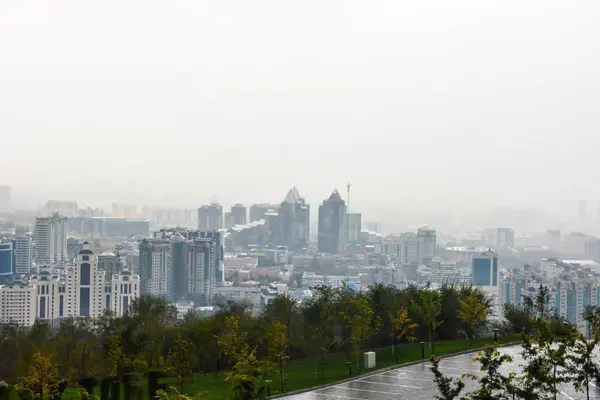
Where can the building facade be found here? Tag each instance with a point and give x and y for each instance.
(50, 237)
(427, 244)
(85, 285)
(22, 255)
(17, 303)
(239, 214)
(294, 220)
(124, 289)
(210, 217)
(156, 269)
(6, 261)
(505, 238)
(332, 225)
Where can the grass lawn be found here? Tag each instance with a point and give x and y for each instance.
(301, 374)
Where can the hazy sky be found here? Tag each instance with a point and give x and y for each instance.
(428, 104)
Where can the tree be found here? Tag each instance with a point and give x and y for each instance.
(472, 313)
(232, 342)
(183, 359)
(40, 376)
(403, 328)
(361, 325)
(448, 388)
(492, 384)
(278, 345)
(115, 358)
(245, 378)
(542, 301)
(591, 315)
(429, 308)
(581, 367)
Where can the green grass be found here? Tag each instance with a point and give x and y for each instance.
(301, 374)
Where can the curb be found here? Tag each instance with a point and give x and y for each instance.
(378, 371)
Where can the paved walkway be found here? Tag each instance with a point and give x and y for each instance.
(416, 382)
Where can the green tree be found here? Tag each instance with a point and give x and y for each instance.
(448, 388)
(472, 313)
(182, 359)
(581, 366)
(245, 378)
(232, 342)
(361, 324)
(403, 328)
(278, 346)
(492, 383)
(429, 307)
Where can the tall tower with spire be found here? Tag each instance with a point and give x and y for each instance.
(332, 224)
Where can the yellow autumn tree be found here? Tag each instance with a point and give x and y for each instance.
(403, 328)
(471, 313)
(40, 376)
(278, 347)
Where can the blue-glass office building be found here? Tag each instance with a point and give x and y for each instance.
(6, 262)
(485, 269)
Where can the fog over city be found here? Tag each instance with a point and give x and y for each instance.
(435, 111)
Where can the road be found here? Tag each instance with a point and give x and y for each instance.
(416, 382)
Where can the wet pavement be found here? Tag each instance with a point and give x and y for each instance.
(416, 382)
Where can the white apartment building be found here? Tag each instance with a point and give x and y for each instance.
(23, 253)
(17, 303)
(156, 269)
(80, 290)
(47, 299)
(125, 288)
(50, 237)
(85, 285)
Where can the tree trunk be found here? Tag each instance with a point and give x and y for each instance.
(281, 374)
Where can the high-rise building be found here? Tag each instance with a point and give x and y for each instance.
(125, 288)
(294, 217)
(17, 303)
(332, 224)
(238, 214)
(427, 244)
(205, 266)
(48, 304)
(85, 285)
(354, 227)
(505, 237)
(210, 218)
(50, 237)
(110, 263)
(156, 268)
(5, 202)
(485, 269)
(258, 211)
(180, 268)
(227, 221)
(6, 261)
(486, 275)
(409, 252)
(22, 255)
